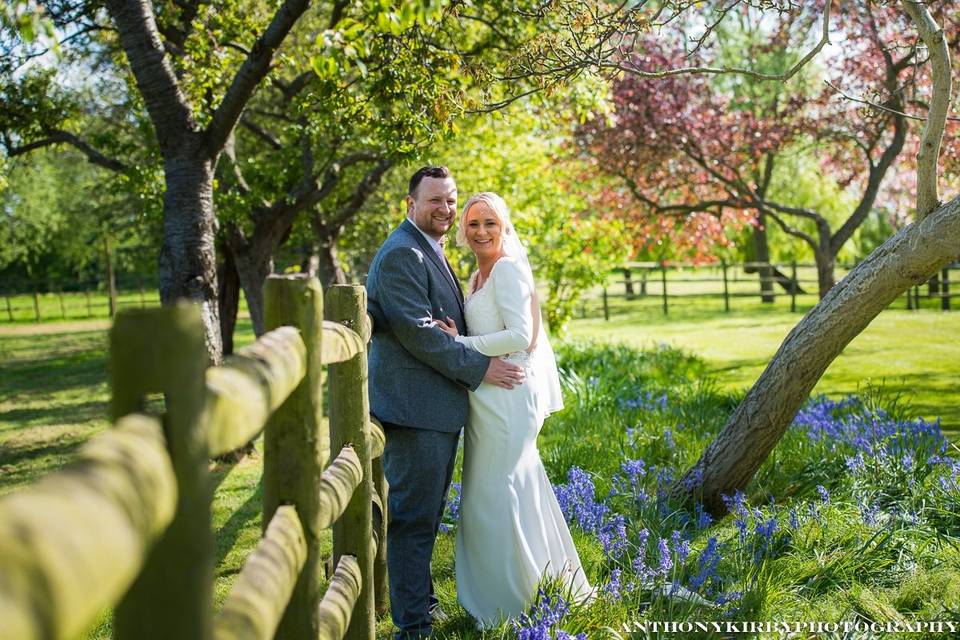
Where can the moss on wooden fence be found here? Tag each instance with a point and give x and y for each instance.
(128, 524)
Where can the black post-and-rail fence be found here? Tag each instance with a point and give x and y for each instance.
(664, 284)
(128, 523)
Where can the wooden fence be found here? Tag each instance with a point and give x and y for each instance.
(61, 299)
(650, 281)
(127, 525)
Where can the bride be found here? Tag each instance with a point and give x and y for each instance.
(512, 532)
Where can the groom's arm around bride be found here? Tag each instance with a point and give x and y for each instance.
(419, 379)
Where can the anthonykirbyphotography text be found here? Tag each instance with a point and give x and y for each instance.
(793, 628)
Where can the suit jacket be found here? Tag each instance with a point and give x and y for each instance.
(419, 376)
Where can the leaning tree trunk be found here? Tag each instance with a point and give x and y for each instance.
(188, 264)
(908, 258)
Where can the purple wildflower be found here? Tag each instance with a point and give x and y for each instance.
(824, 494)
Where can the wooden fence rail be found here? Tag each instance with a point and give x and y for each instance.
(127, 525)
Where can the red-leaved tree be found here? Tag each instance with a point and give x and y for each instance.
(689, 145)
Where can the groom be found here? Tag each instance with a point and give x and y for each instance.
(419, 378)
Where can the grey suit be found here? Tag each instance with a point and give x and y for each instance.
(419, 378)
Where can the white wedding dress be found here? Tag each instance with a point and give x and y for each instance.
(511, 532)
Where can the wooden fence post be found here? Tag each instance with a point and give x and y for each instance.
(726, 287)
(9, 308)
(606, 305)
(380, 586)
(349, 424)
(164, 350)
(295, 448)
(663, 281)
(627, 283)
(945, 289)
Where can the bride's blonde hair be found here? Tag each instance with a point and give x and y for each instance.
(496, 204)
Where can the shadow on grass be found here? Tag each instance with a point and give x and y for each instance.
(50, 375)
(66, 414)
(22, 465)
(227, 535)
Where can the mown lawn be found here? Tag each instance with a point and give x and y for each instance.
(912, 353)
(53, 396)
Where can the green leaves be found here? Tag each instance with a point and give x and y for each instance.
(29, 19)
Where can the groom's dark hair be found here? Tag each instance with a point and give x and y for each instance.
(426, 172)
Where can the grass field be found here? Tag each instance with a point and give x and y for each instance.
(908, 352)
(53, 396)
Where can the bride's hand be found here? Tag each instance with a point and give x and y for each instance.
(448, 326)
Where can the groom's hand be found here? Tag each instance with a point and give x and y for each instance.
(503, 374)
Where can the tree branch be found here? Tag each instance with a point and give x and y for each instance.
(877, 171)
(166, 104)
(261, 133)
(361, 192)
(64, 137)
(928, 197)
(312, 190)
(253, 70)
(793, 231)
(880, 107)
(703, 206)
(784, 77)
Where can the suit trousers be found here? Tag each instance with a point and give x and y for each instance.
(418, 465)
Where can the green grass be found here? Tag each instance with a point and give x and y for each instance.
(908, 352)
(54, 394)
(53, 307)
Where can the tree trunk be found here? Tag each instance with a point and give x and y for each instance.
(310, 261)
(909, 258)
(188, 266)
(762, 250)
(228, 298)
(826, 263)
(329, 269)
(253, 266)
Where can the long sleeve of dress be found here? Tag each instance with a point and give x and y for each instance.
(512, 294)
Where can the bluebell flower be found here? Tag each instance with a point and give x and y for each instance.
(709, 558)
(614, 585)
(613, 536)
(680, 546)
(666, 562)
(540, 622)
(824, 494)
(668, 439)
(704, 519)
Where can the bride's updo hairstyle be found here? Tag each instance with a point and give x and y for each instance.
(496, 204)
